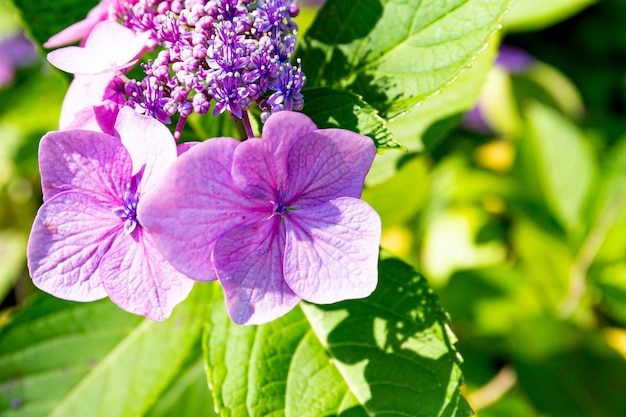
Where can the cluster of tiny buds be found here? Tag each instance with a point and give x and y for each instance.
(230, 52)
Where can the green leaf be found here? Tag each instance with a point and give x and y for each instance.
(414, 175)
(396, 54)
(12, 257)
(338, 108)
(188, 395)
(389, 354)
(568, 372)
(455, 99)
(538, 14)
(59, 358)
(565, 164)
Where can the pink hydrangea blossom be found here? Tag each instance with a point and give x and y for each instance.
(92, 103)
(105, 10)
(275, 219)
(109, 47)
(86, 243)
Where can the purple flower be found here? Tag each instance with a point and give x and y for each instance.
(86, 242)
(275, 219)
(16, 51)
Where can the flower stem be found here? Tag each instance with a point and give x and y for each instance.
(179, 128)
(247, 125)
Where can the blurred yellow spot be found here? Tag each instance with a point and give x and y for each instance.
(397, 240)
(616, 338)
(497, 155)
(494, 204)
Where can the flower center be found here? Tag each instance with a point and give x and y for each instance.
(280, 208)
(128, 212)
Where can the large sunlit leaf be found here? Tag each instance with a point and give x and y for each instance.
(60, 358)
(188, 395)
(389, 354)
(342, 109)
(395, 54)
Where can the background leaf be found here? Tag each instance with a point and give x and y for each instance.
(564, 163)
(59, 358)
(396, 54)
(389, 354)
(536, 14)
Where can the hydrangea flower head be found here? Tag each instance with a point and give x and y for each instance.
(275, 219)
(86, 243)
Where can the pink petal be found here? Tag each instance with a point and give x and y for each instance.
(194, 204)
(254, 170)
(71, 233)
(73, 33)
(105, 116)
(328, 164)
(249, 264)
(280, 132)
(85, 91)
(150, 144)
(181, 148)
(84, 160)
(331, 252)
(84, 119)
(109, 47)
(78, 60)
(138, 278)
(81, 29)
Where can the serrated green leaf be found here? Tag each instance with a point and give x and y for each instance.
(565, 164)
(395, 54)
(59, 358)
(388, 354)
(346, 110)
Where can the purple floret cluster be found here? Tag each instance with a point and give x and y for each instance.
(232, 52)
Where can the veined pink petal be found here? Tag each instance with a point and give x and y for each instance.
(84, 160)
(181, 148)
(150, 144)
(84, 119)
(280, 132)
(249, 261)
(71, 233)
(138, 278)
(327, 164)
(84, 91)
(331, 251)
(194, 204)
(110, 46)
(254, 171)
(73, 33)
